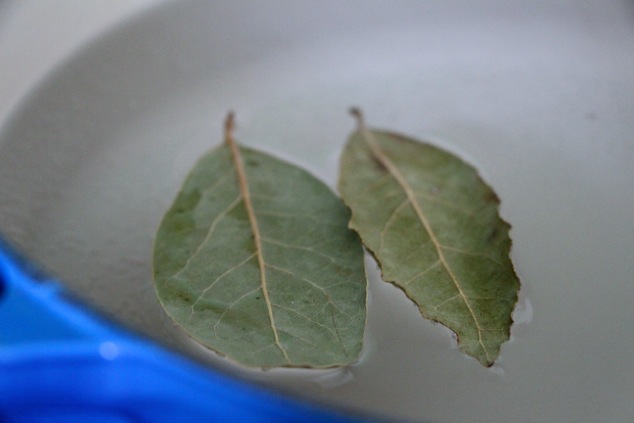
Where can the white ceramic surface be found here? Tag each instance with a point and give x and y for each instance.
(538, 95)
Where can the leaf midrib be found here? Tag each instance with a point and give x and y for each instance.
(257, 237)
(380, 155)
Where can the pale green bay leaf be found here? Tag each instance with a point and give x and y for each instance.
(434, 228)
(299, 300)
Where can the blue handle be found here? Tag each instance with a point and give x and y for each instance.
(62, 363)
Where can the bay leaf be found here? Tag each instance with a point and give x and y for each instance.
(254, 260)
(434, 228)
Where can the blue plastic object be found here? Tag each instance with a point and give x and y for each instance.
(62, 363)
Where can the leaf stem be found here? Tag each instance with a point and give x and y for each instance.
(358, 115)
(229, 127)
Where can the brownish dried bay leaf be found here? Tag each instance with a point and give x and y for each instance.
(433, 226)
(254, 260)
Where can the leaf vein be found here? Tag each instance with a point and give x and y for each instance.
(421, 273)
(333, 306)
(308, 319)
(445, 203)
(219, 278)
(246, 196)
(286, 215)
(208, 236)
(229, 307)
(296, 247)
(470, 253)
(394, 213)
